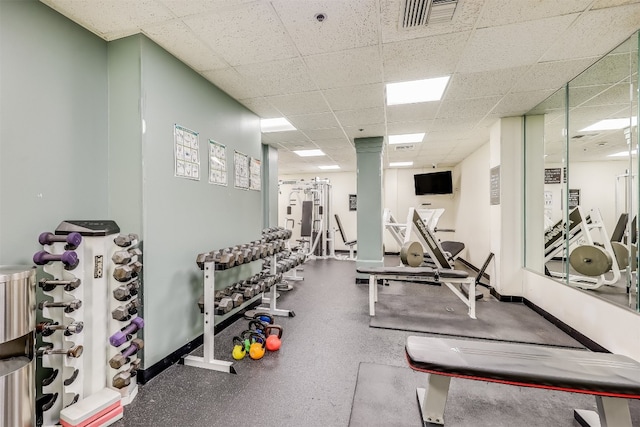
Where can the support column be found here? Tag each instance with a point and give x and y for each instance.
(369, 185)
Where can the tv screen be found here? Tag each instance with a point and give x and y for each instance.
(433, 183)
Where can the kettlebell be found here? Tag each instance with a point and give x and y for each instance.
(257, 348)
(258, 327)
(239, 350)
(273, 341)
(246, 339)
(264, 317)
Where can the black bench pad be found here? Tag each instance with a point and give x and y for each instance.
(414, 271)
(526, 365)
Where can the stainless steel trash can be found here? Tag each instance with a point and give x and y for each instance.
(17, 358)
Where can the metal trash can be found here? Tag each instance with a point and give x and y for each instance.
(17, 358)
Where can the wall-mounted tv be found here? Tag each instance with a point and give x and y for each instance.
(433, 183)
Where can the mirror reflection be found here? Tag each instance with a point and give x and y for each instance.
(585, 138)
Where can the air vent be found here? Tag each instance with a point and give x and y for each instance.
(417, 13)
(408, 147)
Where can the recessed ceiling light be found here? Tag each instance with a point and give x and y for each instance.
(400, 164)
(623, 154)
(279, 124)
(309, 153)
(610, 124)
(328, 167)
(416, 91)
(407, 138)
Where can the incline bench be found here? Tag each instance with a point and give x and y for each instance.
(612, 378)
(421, 274)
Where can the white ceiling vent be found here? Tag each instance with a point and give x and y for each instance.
(407, 147)
(417, 13)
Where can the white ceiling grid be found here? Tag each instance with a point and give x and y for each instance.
(328, 77)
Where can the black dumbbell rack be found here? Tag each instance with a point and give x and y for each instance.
(73, 379)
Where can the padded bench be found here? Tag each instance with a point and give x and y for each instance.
(421, 274)
(611, 378)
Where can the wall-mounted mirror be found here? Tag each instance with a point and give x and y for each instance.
(582, 176)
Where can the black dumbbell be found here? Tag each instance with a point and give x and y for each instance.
(49, 285)
(72, 240)
(68, 258)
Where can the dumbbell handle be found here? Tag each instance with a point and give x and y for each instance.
(131, 350)
(120, 337)
(68, 306)
(71, 328)
(73, 239)
(46, 284)
(68, 258)
(75, 351)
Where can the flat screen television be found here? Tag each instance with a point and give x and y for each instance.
(433, 183)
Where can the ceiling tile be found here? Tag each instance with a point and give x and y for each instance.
(354, 97)
(502, 12)
(407, 127)
(484, 83)
(287, 136)
(322, 134)
(298, 145)
(412, 112)
(182, 8)
(423, 58)
(346, 68)
(361, 117)
(300, 103)
(595, 32)
(599, 4)
(348, 24)
(278, 77)
(261, 107)
(246, 34)
(177, 39)
(519, 103)
(551, 75)
(314, 121)
(467, 107)
(512, 45)
(453, 124)
(335, 143)
(366, 132)
(229, 80)
(610, 69)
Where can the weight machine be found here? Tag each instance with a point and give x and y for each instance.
(314, 198)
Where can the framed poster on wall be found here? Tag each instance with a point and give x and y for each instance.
(217, 163)
(186, 153)
(241, 170)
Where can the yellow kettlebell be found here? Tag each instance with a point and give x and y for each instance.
(238, 348)
(257, 348)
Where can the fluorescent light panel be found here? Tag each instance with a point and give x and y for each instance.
(279, 124)
(329, 167)
(309, 153)
(623, 154)
(416, 91)
(400, 164)
(407, 138)
(610, 124)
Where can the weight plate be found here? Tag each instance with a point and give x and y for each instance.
(590, 260)
(412, 254)
(621, 253)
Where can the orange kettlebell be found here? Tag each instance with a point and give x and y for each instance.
(273, 341)
(257, 348)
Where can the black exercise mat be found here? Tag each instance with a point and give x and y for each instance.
(386, 396)
(436, 310)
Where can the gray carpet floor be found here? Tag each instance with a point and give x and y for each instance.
(314, 377)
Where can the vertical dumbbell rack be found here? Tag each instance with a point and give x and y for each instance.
(273, 309)
(76, 338)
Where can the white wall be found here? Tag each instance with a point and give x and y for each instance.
(342, 184)
(613, 327)
(472, 216)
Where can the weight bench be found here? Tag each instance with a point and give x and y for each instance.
(612, 378)
(421, 274)
(349, 243)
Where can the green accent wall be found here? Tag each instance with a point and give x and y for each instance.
(270, 186)
(179, 217)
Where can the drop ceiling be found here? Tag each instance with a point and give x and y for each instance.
(327, 78)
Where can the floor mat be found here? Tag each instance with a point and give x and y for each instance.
(386, 396)
(436, 310)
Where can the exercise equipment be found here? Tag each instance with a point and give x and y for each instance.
(48, 285)
(72, 240)
(264, 317)
(48, 328)
(69, 306)
(273, 342)
(72, 352)
(125, 241)
(126, 291)
(120, 337)
(124, 273)
(349, 243)
(123, 378)
(125, 257)
(257, 348)
(239, 350)
(590, 260)
(124, 312)
(611, 378)
(68, 258)
(120, 359)
(412, 254)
